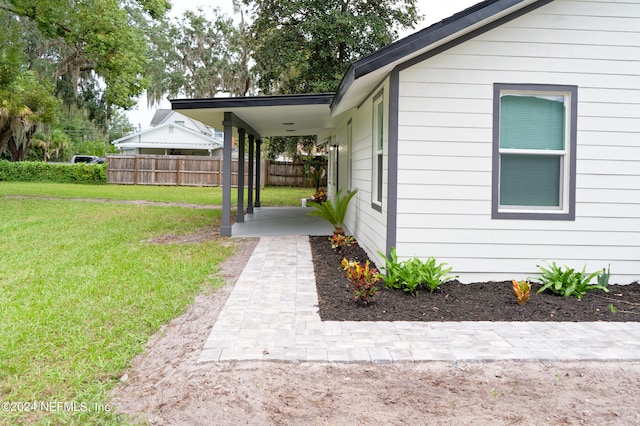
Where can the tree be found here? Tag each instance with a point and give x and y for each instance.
(306, 46)
(85, 52)
(94, 37)
(24, 104)
(198, 58)
(119, 125)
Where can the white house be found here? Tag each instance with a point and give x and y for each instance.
(501, 138)
(173, 134)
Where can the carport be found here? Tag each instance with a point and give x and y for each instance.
(250, 119)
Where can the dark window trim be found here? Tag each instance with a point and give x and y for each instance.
(377, 179)
(392, 161)
(495, 178)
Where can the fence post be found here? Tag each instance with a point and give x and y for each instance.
(135, 169)
(177, 171)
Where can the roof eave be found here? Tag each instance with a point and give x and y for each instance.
(252, 101)
(403, 49)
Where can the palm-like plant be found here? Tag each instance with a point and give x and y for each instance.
(334, 212)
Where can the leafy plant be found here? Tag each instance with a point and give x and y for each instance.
(603, 277)
(363, 281)
(320, 195)
(569, 282)
(414, 273)
(341, 240)
(314, 172)
(612, 308)
(334, 212)
(522, 291)
(392, 269)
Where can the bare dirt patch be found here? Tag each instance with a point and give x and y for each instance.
(135, 202)
(166, 386)
(207, 233)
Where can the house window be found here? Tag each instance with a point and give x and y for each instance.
(378, 138)
(534, 144)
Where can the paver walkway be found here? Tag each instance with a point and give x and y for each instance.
(272, 314)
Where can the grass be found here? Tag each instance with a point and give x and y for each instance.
(269, 196)
(81, 292)
(82, 288)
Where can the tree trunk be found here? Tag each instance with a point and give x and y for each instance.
(5, 135)
(17, 152)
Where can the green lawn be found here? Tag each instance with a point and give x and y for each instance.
(82, 288)
(269, 196)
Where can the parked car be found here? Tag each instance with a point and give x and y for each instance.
(83, 159)
(98, 160)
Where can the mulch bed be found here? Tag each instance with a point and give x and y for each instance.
(455, 301)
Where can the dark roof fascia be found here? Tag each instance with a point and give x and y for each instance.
(420, 40)
(253, 101)
(472, 34)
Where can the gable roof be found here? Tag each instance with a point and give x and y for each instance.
(169, 135)
(362, 77)
(159, 116)
(365, 74)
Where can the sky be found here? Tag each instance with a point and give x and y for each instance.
(432, 10)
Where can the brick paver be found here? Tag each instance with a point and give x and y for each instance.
(272, 315)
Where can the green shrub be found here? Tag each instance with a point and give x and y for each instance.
(334, 212)
(569, 282)
(414, 273)
(34, 171)
(363, 281)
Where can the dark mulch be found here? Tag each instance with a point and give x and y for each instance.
(454, 301)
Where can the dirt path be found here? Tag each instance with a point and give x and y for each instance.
(165, 385)
(137, 202)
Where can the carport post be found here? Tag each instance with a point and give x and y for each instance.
(257, 203)
(241, 142)
(250, 190)
(225, 228)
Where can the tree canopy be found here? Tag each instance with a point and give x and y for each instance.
(86, 53)
(198, 55)
(67, 66)
(305, 46)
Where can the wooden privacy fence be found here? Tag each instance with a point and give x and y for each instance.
(179, 170)
(285, 173)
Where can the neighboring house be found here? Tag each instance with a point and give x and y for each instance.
(503, 137)
(173, 134)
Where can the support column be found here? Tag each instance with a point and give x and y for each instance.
(225, 228)
(240, 210)
(257, 203)
(250, 189)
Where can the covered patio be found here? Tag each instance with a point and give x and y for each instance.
(278, 221)
(247, 121)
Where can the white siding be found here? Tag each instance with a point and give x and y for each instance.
(368, 226)
(445, 145)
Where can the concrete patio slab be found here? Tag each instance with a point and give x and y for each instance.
(278, 221)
